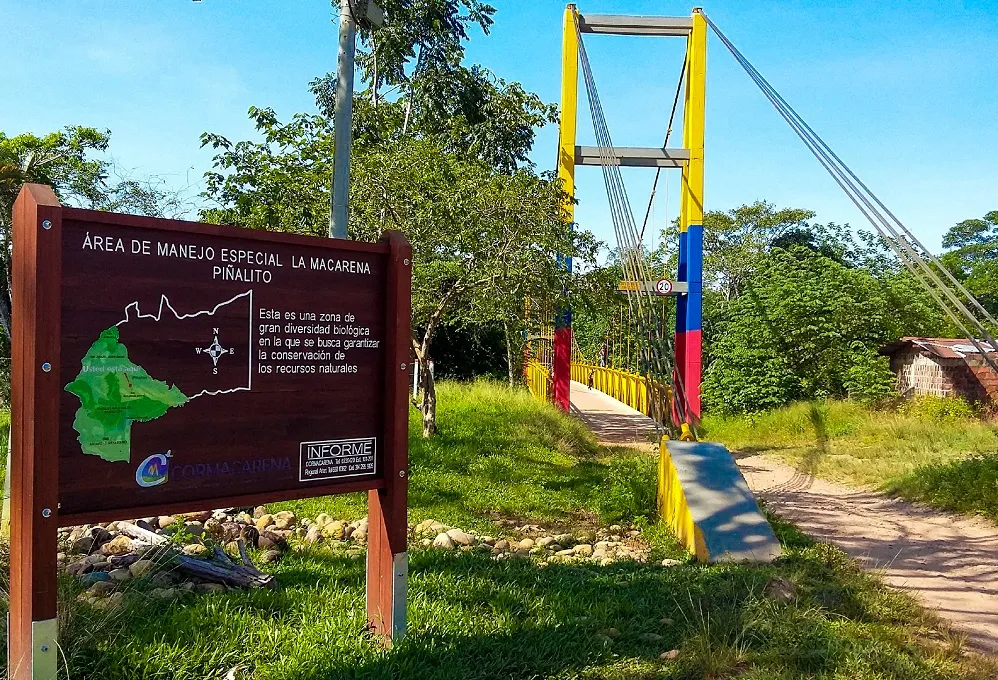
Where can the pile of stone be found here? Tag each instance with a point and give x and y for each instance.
(201, 551)
(210, 551)
(604, 546)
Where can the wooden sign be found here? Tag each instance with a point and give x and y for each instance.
(162, 366)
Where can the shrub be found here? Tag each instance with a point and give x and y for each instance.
(937, 408)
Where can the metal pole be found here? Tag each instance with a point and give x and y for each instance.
(343, 123)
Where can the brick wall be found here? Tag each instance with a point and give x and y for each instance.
(983, 381)
(970, 378)
(920, 374)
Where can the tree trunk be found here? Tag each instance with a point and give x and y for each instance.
(428, 406)
(512, 362)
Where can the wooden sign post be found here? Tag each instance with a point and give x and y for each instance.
(162, 366)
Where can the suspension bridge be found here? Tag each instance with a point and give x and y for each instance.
(702, 494)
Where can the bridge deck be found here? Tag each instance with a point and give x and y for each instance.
(612, 422)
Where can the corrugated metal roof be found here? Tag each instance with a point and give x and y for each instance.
(944, 348)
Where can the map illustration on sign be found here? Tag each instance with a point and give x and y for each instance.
(115, 389)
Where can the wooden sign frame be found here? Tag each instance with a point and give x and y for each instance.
(37, 388)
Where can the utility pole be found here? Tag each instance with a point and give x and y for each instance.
(351, 11)
(343, 123)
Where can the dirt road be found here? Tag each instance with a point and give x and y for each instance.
(949, 562)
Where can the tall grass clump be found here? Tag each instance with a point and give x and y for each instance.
(932, 449)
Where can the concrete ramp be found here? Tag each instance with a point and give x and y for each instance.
(704, 498)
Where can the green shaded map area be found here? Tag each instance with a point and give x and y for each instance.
(114, 393)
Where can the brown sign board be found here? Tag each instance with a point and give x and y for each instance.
(165, 366)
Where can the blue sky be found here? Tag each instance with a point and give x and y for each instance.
(905, 92)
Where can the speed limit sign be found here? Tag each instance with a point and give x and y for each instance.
(663, 286)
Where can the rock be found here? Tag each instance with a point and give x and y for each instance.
(322, 519)
(187, 586)
(671, 655)
(425, 542)
(93, 577)
(101, 565)
(111, 601)
(244, 518)
(444, 542)
(650, 637)
(667, 562)
(599, 553)
(546, 541)
(194, 528)
(100, 535)
(314, 534)
(525, 544)
(565, 540)
(583, 550)
(501, 545)
(259, 511)
(263, 522)
(348, 530)
(210, 588)
(271, 541)
(145, 524)
(141, 568)
(565, 553)
(270, 556)
(214, 528)
(611, 633)
(779, 589)
(123, 560)
(232, 549)
(666, 622)
(284, 523)
(95, 558)
(614, 528)
(79, 567)
(83, 545)
(200, 516)
(250, 535)
(120, 574)
(195, 550)
(333, 529)
(164, 578)
(634, 534)
(163, 593)
(461, 538)
(117, 546)
(360, 535)
(487, 540)
(102, 588)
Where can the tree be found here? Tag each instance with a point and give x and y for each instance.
(482, 239)
(60, 159)
(808, 326)
(972, 256)
(467, 110)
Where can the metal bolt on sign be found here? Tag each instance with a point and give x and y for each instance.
(46, 367)
(46, 224)
(47, 512)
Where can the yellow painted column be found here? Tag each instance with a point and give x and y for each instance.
(569, 107)
(562, 360)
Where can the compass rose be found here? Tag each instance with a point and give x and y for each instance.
(215, 350)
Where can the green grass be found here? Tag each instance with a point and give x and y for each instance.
(501, 455)
(915, 451)
(498, 455)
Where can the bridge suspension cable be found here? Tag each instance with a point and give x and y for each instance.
(656, 360)
(955, 300)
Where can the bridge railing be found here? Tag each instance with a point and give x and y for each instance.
(627, 388)
(538, 380)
